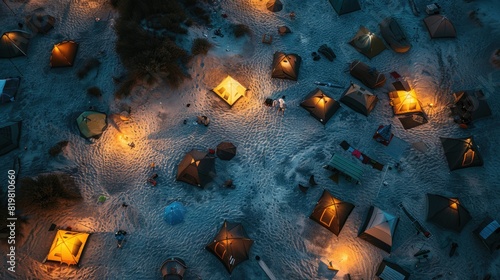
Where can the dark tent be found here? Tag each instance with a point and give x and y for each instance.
(447, 212)
(8, 89)
(367, 43)
(10, 134)
(196, 168)
(379, 228)
(461, 152)
(391, 271)
(383, 134)
(394, 36)
(320, 106)
(345, 6)
(440, 26)
(286, 66)
(225, 150)
(359, 99)
(63, 54)
(231, 245)
(369, 76)
(331, 212)
(489, 233)
(92, 124)
(40, 23)
(470, 105)
(14, 43)
(274, 5)
(173, 269)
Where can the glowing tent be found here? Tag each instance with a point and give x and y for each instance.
(379, 228)
(92, 124)
(359, 99)
(231, 245)
(440, 26)
(10, 134)
(461, 152)
(67, 247)
(230, 90)
(345, 6)
(331, 212)
(274, 5)
(320, 105)
(286, 66)
(196, 168)
(447, 212)
(367, 43)
(63, 54)
(40, 23)
(14, 43)
(8, 89)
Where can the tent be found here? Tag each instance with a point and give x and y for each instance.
(383, 134)
(230, 90)
(92, 124)
(394, 36)
(63, 54)
(231, 245)
(67, 247)
(274, 5)
(14, 43)
(367, 43)
(174, 213)
(391, 271)
(404, 102)
(10, 134)
(379, 228)
(225, 150)
(40, 23)
(173, 269)
(8, 89)
(320, 105)
(369, 76)
(470, 105)
(489, 233)
(461, 152)
(331, 212)
(286, 66)
(447, 212)
(440, 26)
(359, 99)
(196, 168)
(345, 6)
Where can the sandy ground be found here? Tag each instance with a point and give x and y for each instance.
(275, 153)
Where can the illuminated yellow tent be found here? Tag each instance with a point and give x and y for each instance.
(230, 90)
(92, 124)
(14, 43)
(63, 54)
(405, 102)
(67, 247)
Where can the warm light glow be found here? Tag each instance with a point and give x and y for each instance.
(454, 204)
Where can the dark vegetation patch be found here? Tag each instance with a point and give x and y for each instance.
(240, 30)
(150, 55)
(57, 148)
(200, 46)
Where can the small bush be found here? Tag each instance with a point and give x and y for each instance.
(47, 191)
(57, 148)
(241, 30)
(201, 46)
(89, 65)
(94, 91)
(201, 14)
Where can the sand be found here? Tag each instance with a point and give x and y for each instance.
(275, 153)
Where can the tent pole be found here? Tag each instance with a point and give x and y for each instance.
(16, 68)
(9, 7)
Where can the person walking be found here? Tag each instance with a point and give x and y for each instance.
(282, 105)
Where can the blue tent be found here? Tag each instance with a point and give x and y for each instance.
(174, 213)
